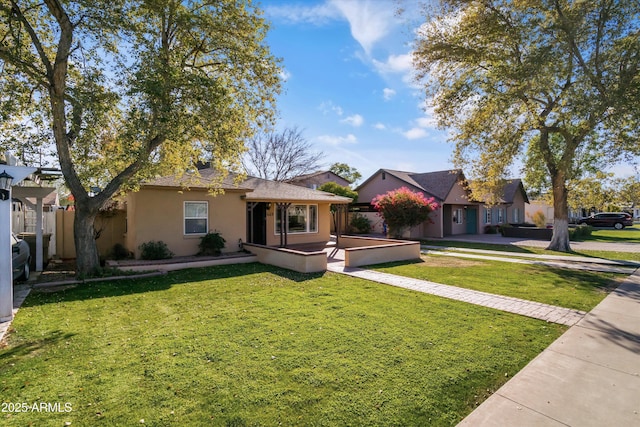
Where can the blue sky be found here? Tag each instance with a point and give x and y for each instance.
(348, 84)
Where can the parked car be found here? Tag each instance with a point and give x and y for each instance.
(617, 220)
(20, 259)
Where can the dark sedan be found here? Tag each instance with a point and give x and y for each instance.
(21, 257)
(617, 220)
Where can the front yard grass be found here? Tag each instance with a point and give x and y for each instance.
(581, 290)
(250, 344)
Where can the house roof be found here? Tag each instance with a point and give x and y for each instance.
(512, 187)
(266, 190)
(437, 184)
(256, 189)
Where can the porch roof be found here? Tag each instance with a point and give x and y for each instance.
(271, 191)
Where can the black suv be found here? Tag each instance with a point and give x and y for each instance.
(617, 220)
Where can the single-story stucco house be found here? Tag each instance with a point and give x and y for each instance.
(253, 210)
(458, 212)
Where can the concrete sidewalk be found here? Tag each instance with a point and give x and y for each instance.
(590, 376)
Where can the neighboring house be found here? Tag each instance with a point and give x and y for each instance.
(458, 213)
(180, 212)
(316, 179)
(547, 209)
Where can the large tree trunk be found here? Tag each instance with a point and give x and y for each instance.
(87, 258)
(560, 239)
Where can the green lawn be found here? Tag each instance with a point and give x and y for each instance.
(253, 345)
(626, 235)
(628, 256)
(581, 290)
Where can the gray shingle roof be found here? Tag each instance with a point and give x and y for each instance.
(256, 189)
(437, 184)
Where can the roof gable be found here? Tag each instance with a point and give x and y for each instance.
(437, 184)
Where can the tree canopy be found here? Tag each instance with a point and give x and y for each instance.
(345, 171)
(127, 89)
(554, 84)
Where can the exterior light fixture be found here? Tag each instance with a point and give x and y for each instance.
(5, 185)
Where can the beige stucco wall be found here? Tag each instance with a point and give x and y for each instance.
(366, 251)
(377, 185)
(158, 214)
(112, 231)
(303, 262)
(322, 235)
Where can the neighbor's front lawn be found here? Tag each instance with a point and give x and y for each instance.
(581, 290)
(254, 345)
(626, 235)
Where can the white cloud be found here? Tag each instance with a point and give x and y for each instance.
(327, 107)
(369, 20)
(415, 133)
(284, 75)
(397, 64)
(379, 126)
(338, 140)
(387, 93)
(297, 14)
(356, 120)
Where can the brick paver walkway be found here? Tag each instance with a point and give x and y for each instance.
(549, 313)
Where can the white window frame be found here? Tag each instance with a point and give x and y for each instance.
(185, 217)
(487, 215)
(516, 215)
(459, 216)
(500, 215)
(311, 226)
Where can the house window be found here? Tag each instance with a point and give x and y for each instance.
(300, 219)
(487, 215)
(196, 217)
(500, 215)
(516, 216)
(458, 216)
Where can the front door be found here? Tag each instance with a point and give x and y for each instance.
(257, 223)
(472, 220)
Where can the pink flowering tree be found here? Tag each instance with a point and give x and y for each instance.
(403, 208)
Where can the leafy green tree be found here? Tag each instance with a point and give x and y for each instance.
(345, 171)
(127, 89)
(403, 208)
(557, 80)
(627, 191)
(334, 188)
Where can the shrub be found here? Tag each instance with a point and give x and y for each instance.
(155, 250)
(491, 229)
(539, 219)
(580, 231)
(120, 252)
(360, 223)
(211, 244)
(403, 208)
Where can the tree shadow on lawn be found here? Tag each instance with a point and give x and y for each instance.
(116, 288)
(28, 348)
